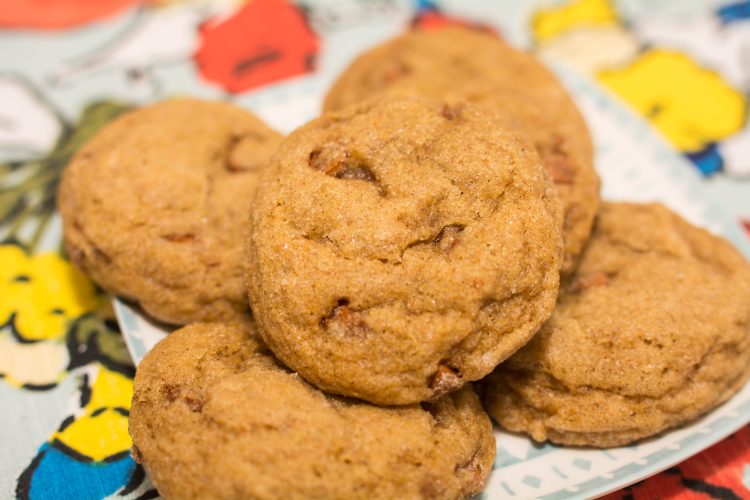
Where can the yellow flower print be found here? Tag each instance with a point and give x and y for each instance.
(40, 294)
(585, 34)
(553, 22)
(110, 389)
(101, 432)
(690, 105)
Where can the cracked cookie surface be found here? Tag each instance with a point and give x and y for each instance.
(153, 207)
(465, 65)
(215, 416)
(651, 331)
(398, 251)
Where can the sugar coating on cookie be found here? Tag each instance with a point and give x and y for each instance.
(651, 331)
(154, 206)
(464, 64)
(215, 416)
(401, 248)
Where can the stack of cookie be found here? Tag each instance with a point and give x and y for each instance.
(438, 225)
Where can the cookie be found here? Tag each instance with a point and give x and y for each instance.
(215, 416)
(463, 64)
(154, 206)
(651, 331)
(401, 248)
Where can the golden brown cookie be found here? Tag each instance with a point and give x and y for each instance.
(651, 331)
(215, 416)
(459, 64)
(401, 248)
(154, 206)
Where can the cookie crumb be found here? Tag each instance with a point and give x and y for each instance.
(445, 380)
(100, 255)
(135, 454)
(473, 467)
(432, 410)
(599, 278)
(450, 112)
(170, 391)
(77, 256)
(343, 164)
(395, 71)
(195, 403)
(557, 162)
(345, 321)
(180, 237)
(448, 237)
(560, 169)
(428, 489)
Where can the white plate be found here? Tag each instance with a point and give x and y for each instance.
(634, 165)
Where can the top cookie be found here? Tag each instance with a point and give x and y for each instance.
(651, 331)
(400, 248)
(458, 64)
(154, 205)
(214, 416)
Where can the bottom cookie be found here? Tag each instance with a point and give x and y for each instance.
(215, 416)
(652, 331)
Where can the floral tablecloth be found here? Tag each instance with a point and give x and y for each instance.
(67, 67)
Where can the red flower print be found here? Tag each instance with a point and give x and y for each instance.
(263, 42)
(714, 473)
(57, 14)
